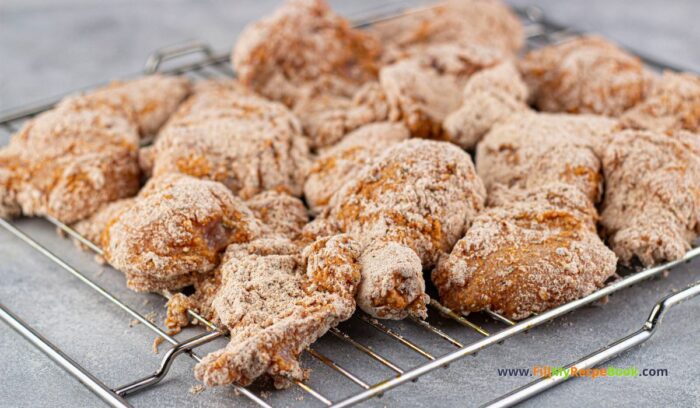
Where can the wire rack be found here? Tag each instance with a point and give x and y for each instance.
(206, 65)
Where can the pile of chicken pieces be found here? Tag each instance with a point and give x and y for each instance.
(335, 172)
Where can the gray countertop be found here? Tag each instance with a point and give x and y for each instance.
(50, 47)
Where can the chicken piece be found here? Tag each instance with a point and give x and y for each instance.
(11, 175)
(305, 44)
(71, 160)
(340, 163)
(585, 75)
(276, 303)
(533, 149)
(673, 104)
(283, 214)
(528, 252)
(152, 98)
(226, 134)
(490, 96)
(424, 90)
(651, 209)
(175, 230)
(484, 22)
(420, 92)
(92, 227)
(406, 209)
(327, 119)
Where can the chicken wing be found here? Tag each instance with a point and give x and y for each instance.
(490, 96)
(528, 252)
(673, 104)
(530, 150)
(651, 209)
(406, 209)
(275, 303)
(340, 163)
(227, 134)
(585, 75)
(484, 22)
(175, 230)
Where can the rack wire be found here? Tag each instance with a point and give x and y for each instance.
(211, 65)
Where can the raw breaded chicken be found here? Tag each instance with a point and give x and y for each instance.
(71, 160)
(529, 150)
(673, 104)
(304, 47)
(341, 162)
(227, 134)
(406, 209)
(585, 74)
(651, 209)
(283, 214)
(275, 302)
(175, 230)
(490, 96)
(484, 22)
(420, 92)
(528, 252)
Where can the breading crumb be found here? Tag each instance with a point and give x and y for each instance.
(151, 316)
(156, 342)
(197, 389)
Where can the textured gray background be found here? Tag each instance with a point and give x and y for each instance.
(50, 47)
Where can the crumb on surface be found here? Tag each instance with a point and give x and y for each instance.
(197, 389)
(156, 342)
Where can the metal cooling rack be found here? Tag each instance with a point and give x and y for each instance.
(208, 64)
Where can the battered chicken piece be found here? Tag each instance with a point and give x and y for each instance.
(484, 22)
(651, 209)
(11, 169)
(283, 214)
(304, 47)
(406, 209)
(490, 96)
(276, 303)
(586, 74)
(70, 161)
(175, 230)
(420, 92)
(152, 98)
(530, 150)
(283, 217)
(73, 159)
(328, 119)
(93, 226)
(673, 104)
(227, 134)
(424, 90)
(340, 163)
(529, 252)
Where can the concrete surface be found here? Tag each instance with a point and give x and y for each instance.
(50, 47)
